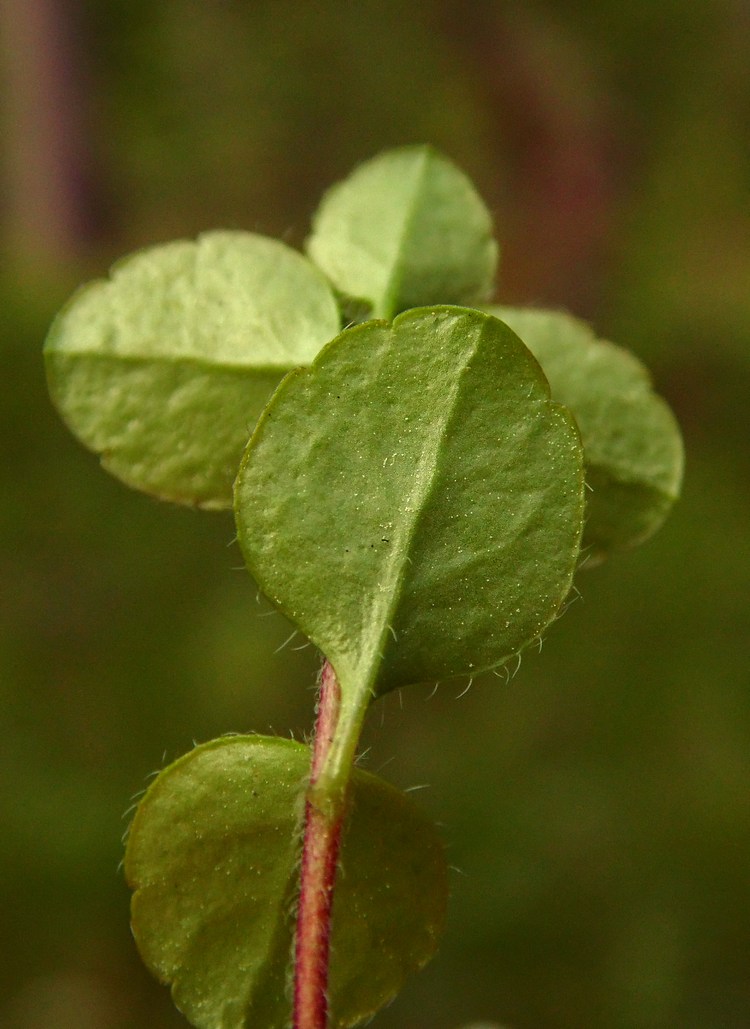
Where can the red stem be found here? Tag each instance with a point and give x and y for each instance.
(317, 877)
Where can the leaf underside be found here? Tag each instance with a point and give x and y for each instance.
(405, 229)
(164, 368)
(213, 857)
(632, 443)
(413, 502)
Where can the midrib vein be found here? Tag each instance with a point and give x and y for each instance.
(396, 567)
(393, 282)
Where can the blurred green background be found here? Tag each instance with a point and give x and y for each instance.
(597, 809)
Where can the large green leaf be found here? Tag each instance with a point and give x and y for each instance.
(213, 857)
(632, 443)
(413, 502)
(403, 230)
(164, 368)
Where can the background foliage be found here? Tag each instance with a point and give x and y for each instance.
(597, 807)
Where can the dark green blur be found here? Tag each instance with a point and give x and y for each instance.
(597, 808)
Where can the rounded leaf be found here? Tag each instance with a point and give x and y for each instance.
(413, 501)
(213, 856)
(163, 368)
(405, 229)
(632, 443)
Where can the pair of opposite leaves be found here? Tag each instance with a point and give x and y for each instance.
(164, 369)
(413, 501)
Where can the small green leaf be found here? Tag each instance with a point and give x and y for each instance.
(413, 502)
(406, 229)
(164, 368)
(213, 858)
(632, 443)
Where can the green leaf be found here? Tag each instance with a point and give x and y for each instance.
(413, 502)
(213, 858)
(403, 230)
(632, 443)
(164, 368)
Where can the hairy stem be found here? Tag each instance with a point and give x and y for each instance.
(318, 873)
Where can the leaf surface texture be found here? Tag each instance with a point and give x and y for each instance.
(164, 368)
(405, 229)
